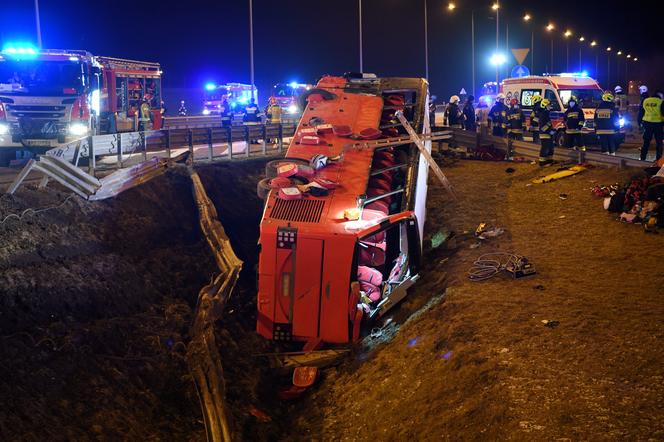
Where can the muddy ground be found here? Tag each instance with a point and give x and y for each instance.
(96, 301)
(481, 364)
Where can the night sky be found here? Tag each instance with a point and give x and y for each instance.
(199, 41)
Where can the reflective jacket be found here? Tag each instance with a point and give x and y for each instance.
(574, 120)
(453, 115)
(498, 115)
(545, 126)
(535, 118)
(653, 109)
(606, 118)
(515, 120)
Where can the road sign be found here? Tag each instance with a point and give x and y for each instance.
(520, 54)
(519, 71)
(462, 91)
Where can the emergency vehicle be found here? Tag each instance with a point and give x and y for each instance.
(52, 96)
(344, 252)
(558, 89)
(237, 95)
(286, 95)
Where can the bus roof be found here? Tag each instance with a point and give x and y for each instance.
(561, 81)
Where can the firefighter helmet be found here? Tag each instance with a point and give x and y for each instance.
(617, 90)
(536, 99)
(545, 102)
(500, 96)
(454, 99)
(607, 96)
(643, 89)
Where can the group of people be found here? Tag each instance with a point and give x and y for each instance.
(508, 119)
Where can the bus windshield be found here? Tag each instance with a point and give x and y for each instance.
(588, 98)
(41, 78)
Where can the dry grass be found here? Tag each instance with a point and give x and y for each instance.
(597, 375)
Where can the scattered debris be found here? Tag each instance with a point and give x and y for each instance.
(259, 415)
(539, 287)
(561, 217)
(510, 170)
(563, 196)
(475, 245)
(492, 233)
(562, 173)
(480, 228)
(504, 350)
(438, 238)
(549, 323)
(447, 355)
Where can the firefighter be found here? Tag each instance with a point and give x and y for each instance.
(651, 117)
(226, 112)
(574, 120)
(536, 102)
(453, 114)
(469, 119)
(606, 123)
(273, 111)
(621, 99)
(545, 133)
(251, 112)
(515, 120)
(145, 114)
(497, 118)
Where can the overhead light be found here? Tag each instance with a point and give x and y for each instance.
(526, 17)
(451, 6)
(498, 59)
(608, 49)
(550, 27)
(593, 43)
(629, 56)
(635, 59)
(495, 6)
(568, 33)
(582, 39)
(619, 52)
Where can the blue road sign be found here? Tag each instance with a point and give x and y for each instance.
(519, 71)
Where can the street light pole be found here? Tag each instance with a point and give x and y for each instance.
(472, 45)
(532, 52)
(251, 46)
(360, 27)
(496, 6)
(426, 42)
(39, 36)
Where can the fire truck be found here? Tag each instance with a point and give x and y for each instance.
(341, 231)
(237, 95)
(53, 96)
(558, 89)
(286, 96)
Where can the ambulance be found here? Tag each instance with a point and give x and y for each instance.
(558, 89)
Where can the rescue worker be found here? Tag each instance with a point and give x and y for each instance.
(273, 111)
(621, 99)
(651, 117)
(226, 112)
(251, 112)
(497, 117)
(606, 123)
(469, 119)
(145, 114)
(515, 120)
(574, 119)
(545, 133)
(536, 102)
(453, 114)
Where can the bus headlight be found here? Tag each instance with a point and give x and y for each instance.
(4, 129)
(292, 109)
(78, 129)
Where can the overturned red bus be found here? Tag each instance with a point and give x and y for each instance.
(341, 231)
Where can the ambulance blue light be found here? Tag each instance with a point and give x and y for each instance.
(210, 86)
(293, 84)
(19, 50)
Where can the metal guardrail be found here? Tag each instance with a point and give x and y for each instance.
(525, 149)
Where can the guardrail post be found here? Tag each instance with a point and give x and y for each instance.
(509, 149)
(280, 144)
(209, 135)
(144, 145)
(229, 133)
(247, 139)
(91, 157)
(168, 143)
(264, 139)
(190, 140)
(119, 144)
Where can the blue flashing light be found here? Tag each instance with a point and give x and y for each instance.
(210, 86)
(621, 122)
(584, 73)
(293, 84)
(20, 50)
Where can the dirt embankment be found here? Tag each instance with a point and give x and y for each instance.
(481, 364)
(95, 305)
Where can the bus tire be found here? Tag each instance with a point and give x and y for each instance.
(271, 167)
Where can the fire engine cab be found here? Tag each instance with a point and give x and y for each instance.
(286, 96)
(558, 89)
(52, 96)
(341, 231)
(237, 96)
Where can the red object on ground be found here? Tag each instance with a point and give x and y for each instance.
(304, 377)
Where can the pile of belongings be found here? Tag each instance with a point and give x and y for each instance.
(641, 201)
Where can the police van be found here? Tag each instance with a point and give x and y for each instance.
(558, 89)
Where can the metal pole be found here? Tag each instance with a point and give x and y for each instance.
(426, 42)
(567, 62)
(39, 37)
(532, 53)
(507, 46)
(472, 44)
(552, 70)
(596, 66)
(580, 62)
(497, 36)
(608, 69)
(360, 26)
(251, 45)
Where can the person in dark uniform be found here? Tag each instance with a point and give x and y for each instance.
(453, 114)
(606, 123)
(651, 117)
(498, 116)
(251, 112)
(536, 102)
(515, 120)
(574, 120)
(469, 119)
(545, 133)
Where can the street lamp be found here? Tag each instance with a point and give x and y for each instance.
(451, 6)
(527, 18)
(608, 66)
(550, 27)
(496, 7)
(359, 7)
(567, 35)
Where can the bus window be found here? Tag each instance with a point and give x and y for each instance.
(527, 97)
